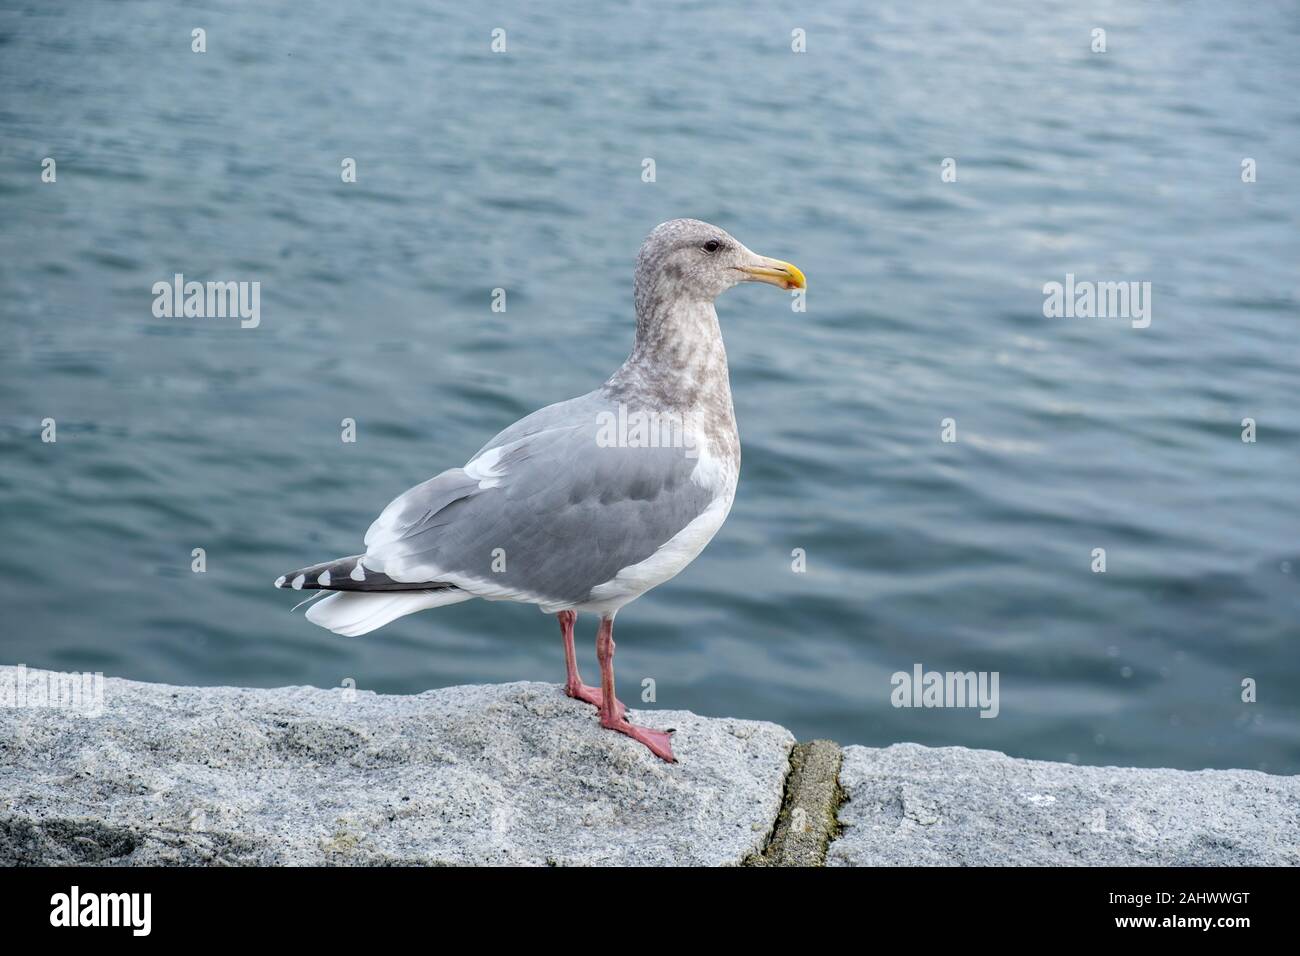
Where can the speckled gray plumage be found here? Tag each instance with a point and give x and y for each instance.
(678, 361)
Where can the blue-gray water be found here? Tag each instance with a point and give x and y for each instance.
(523, 171)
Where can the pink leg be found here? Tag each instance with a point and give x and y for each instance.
(573, 685)
(615, 717)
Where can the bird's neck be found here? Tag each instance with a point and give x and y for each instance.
(678, 359)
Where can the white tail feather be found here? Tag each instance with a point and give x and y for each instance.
(353, 613)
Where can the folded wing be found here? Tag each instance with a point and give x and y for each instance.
(547, 511)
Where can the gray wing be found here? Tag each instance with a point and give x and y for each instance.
(545, 512)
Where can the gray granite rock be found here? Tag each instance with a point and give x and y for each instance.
(913, 805)
(505, 774)
(520, 774)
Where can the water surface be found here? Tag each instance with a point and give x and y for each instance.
(523, 171)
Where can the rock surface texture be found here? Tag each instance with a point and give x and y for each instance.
(913, 805)
(505, 774)
(520, 774)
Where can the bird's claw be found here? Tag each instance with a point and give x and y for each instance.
(659, 742)
(592, 695)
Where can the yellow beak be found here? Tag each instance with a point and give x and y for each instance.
(783, 275)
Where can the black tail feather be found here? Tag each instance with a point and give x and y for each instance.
(347, 574)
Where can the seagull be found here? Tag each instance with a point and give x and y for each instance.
(585, 505)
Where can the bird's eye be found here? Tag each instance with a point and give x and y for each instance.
(713, 245)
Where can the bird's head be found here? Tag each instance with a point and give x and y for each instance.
(693, 260)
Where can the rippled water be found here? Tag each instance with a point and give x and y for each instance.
(523, 171)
